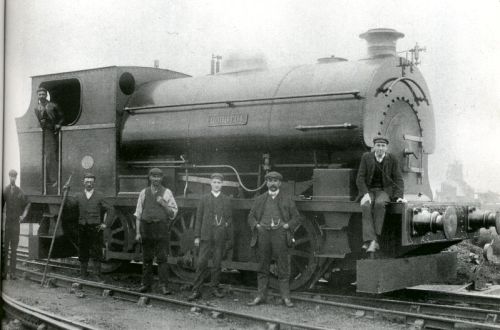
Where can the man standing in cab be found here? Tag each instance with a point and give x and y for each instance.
(379, 181)
(213, 235)
(51, 119)
(156, 207)
(16, 206)
(92, 211)
(271, 216)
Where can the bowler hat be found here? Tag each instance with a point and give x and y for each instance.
(41, 89)
(217, 176)
(155, 171)
(12, 172)
(274, 175)
(380, 138)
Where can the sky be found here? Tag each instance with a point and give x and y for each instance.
(461, 64)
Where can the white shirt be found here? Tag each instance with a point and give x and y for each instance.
(216, 194)
(273, 194)
(89, 193)
(379, 160)
(167, 195)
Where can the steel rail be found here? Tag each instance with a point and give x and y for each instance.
(33, 316)
(463, 312)
(128, 295)
(413, 311)
(471, 299)
(432, 313)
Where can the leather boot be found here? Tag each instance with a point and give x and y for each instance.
(83, 270)
(97, 270)
(194, 296)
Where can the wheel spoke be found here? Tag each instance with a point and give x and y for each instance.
(191, 222)
(302, 240)
(183, 223)
(300, 253)
(116, 231)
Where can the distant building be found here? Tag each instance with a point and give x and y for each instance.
(454, 188)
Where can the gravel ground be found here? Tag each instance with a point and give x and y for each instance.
(470, 256)
(108, 313)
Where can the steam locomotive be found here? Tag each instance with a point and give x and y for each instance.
(310, 122)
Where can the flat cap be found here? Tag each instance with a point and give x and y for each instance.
(12, 172)
(274, 175)
(155, 171)
(89, 175)
(217, 176)
(380, 138)
(41, 89)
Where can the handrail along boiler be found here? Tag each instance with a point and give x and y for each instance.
(310, 122)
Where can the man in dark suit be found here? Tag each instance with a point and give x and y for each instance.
(271, 216)
(156, 207)
(16, 207)
(379, 181)
(91, 223)
(213, 232)
(51, 119)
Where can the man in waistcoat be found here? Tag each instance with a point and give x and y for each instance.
(156, 207)
(51, 119)
(379, 181)
(91, 223)
(213, 228)
(271, 216)
(16, 207)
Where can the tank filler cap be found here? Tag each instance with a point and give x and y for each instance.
(381, 42)
(331, 59)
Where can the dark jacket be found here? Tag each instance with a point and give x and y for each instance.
(205, 216)
(49, 115)
(13, 203)
(91, 211)
(392, 178)
(286, 204)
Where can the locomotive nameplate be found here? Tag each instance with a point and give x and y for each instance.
(228, 120)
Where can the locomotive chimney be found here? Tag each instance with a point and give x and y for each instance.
(381, 42)
(212, 65)
(218, 64)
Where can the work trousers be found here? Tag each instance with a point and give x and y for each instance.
(10, 239)
(272, 243)
(214, 247)
(90, 243)
(51, 154)
(373, 214)
(155, 243)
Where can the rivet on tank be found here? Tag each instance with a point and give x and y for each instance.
(426, 220)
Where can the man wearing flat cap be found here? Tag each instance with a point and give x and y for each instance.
(213, 235)
(16, 206)
(379, 181)
(156, 207)
(92, 211)
(271, 216)
(51, 119)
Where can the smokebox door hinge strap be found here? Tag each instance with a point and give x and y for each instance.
(407, 82)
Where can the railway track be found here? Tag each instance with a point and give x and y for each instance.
(425, 314)
(145, 298)
(35, 318)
